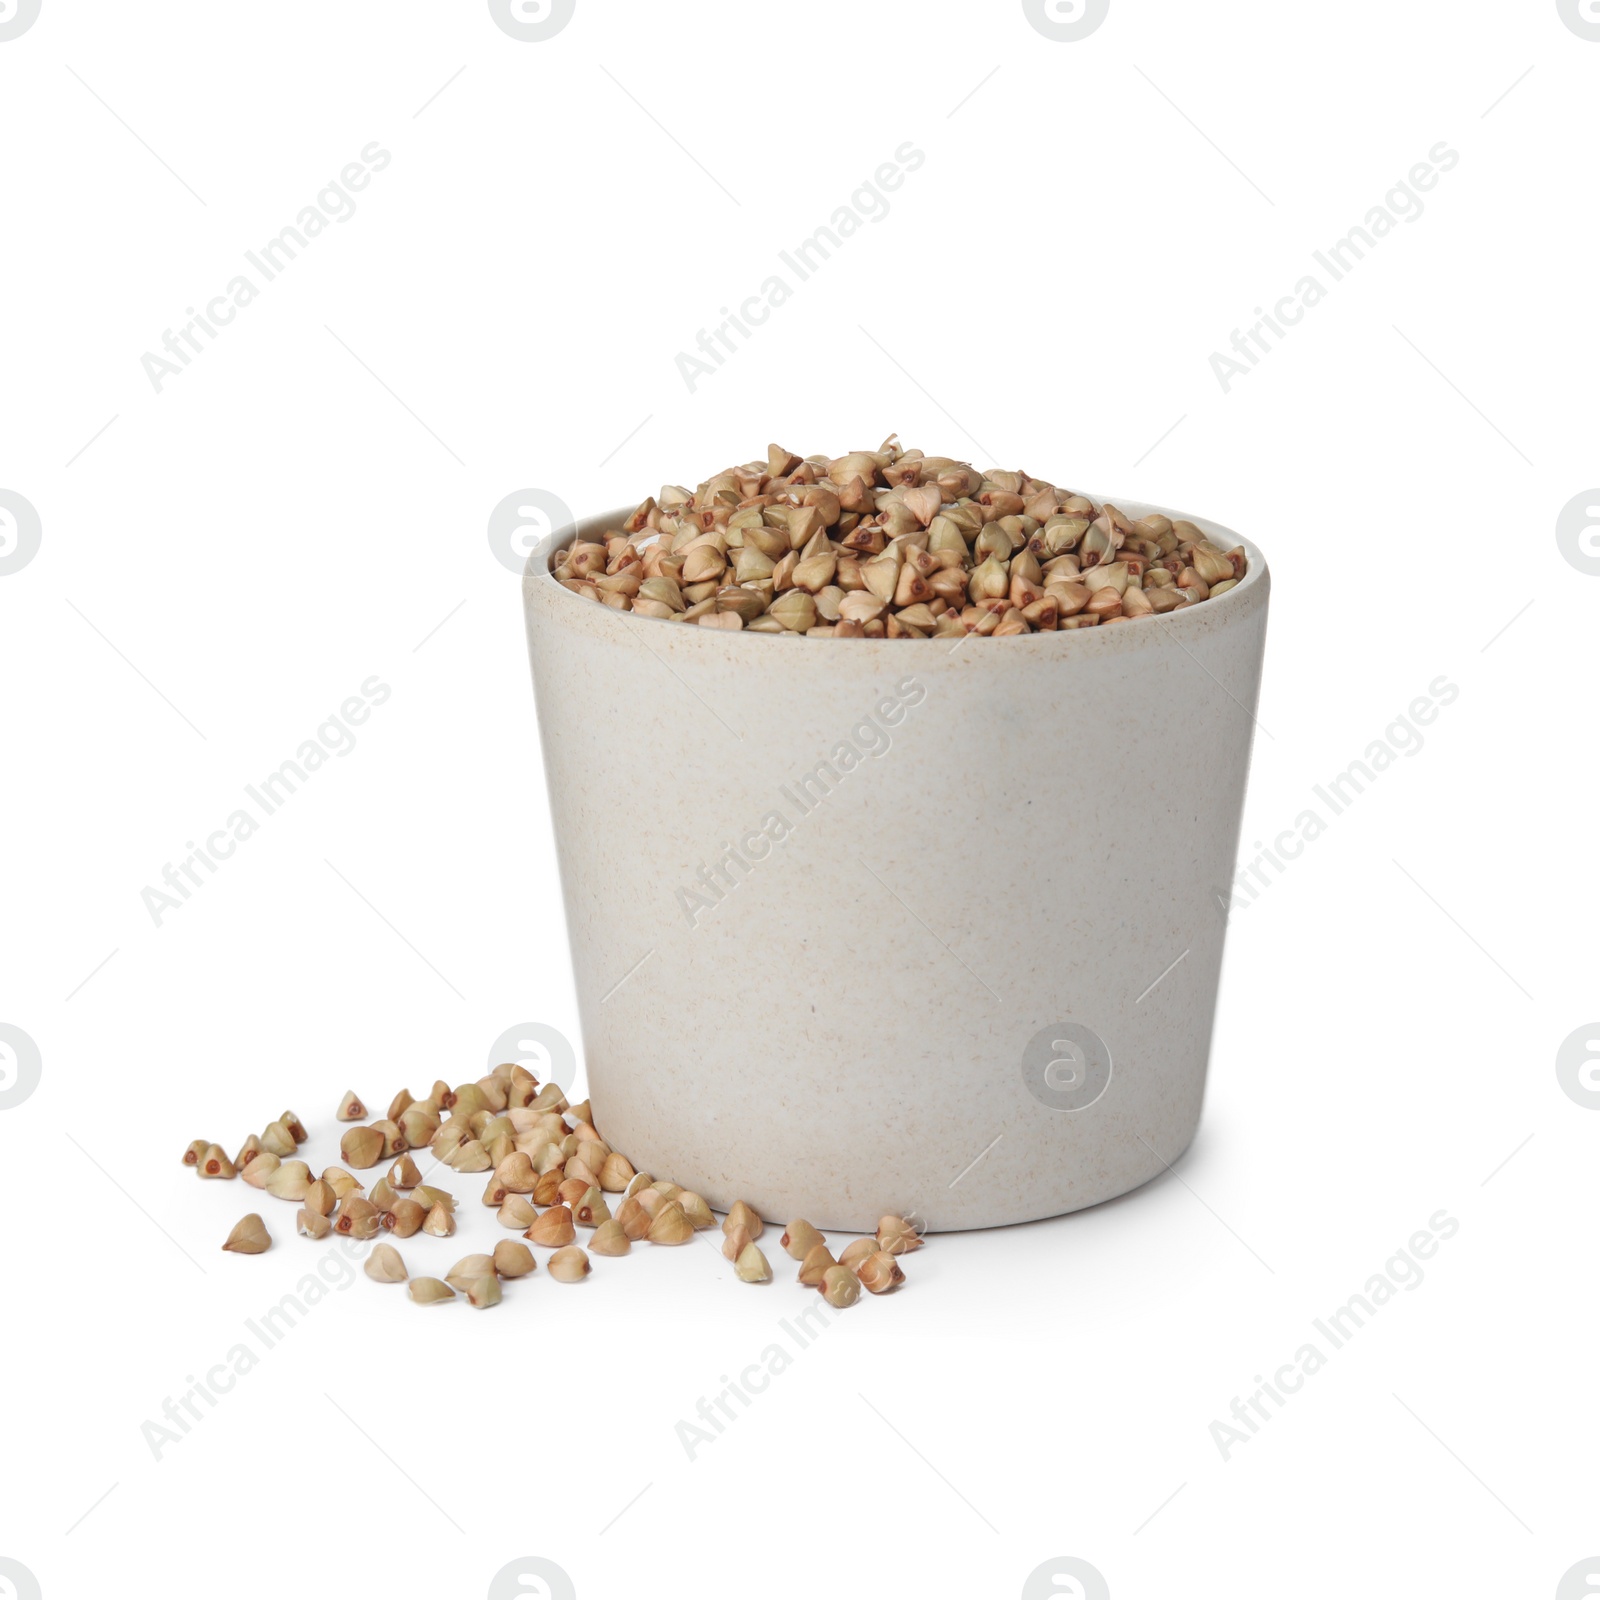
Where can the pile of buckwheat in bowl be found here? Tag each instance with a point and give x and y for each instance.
(892, 544)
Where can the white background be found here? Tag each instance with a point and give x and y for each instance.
(223, 563)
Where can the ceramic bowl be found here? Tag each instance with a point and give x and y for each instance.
(869, 926)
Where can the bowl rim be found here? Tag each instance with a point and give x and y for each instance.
(539, 581)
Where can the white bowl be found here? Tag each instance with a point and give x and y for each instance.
(866, 926)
